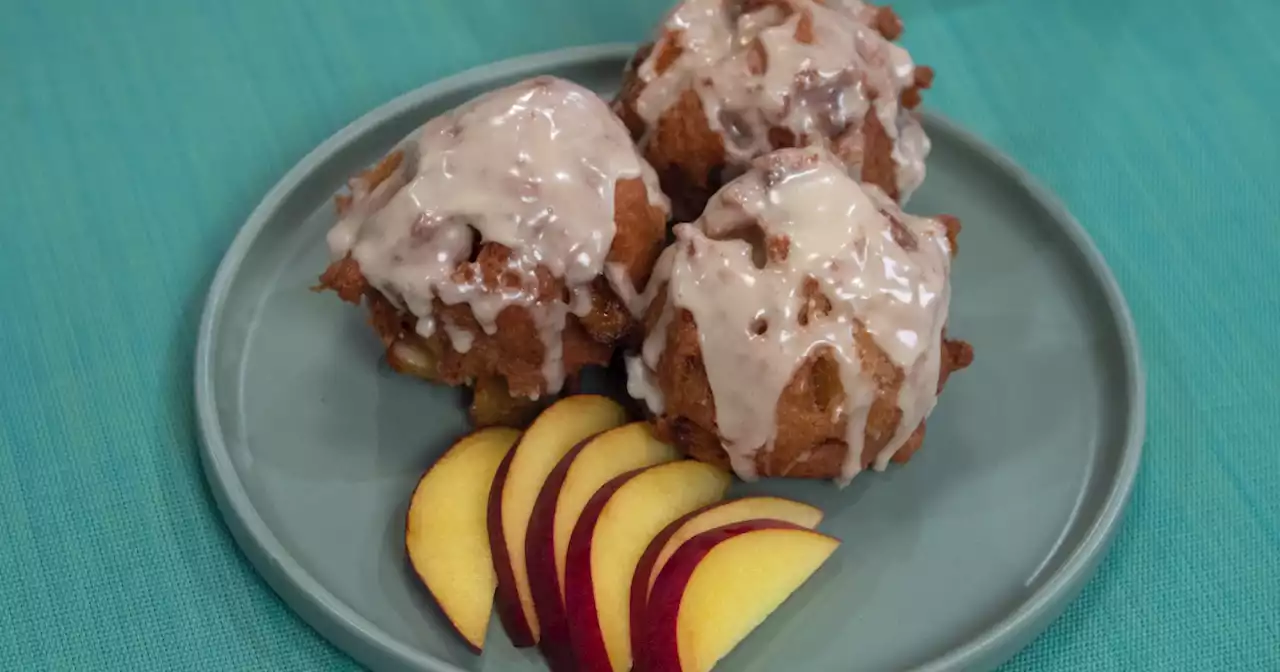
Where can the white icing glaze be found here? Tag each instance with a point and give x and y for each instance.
(459, 338)
(532, 167)
(878, 267)
(816, 90)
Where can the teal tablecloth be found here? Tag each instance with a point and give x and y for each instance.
(136, 135)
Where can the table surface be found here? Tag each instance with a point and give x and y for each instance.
(136, 136)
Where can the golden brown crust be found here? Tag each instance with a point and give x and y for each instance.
(688, 156)
(888, 23)
(493, 406)
(810, 435)
(640, 231)
(804, 28)
(669, 51)
(878, 165)
(609, 320)
(345, 279)
(911, 97)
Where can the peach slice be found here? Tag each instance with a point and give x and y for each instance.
(515, 490)
(720, 585)
(578, 476)
(693, 524)
(445, 535)
(616, 526)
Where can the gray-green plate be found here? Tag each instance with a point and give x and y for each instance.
(953, 562)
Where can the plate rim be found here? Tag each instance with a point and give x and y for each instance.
(370, 645)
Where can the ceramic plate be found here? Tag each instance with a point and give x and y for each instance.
(312, 446)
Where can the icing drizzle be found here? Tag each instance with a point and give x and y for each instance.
(793, 233)
(811, 67)
(531, 167)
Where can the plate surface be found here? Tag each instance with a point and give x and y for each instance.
(312, 446)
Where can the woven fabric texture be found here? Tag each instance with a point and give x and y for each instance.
(136, 136)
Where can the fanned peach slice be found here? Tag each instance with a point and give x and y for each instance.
(616, 526)
(445, 530)
(578, 476)
(516, 485)
(720, 585)
(693, 524)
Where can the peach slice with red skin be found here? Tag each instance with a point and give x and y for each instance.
(720, 585)
(612, 533)
(445, 532)
(708, 518)
(515, 490)
(565, 494)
